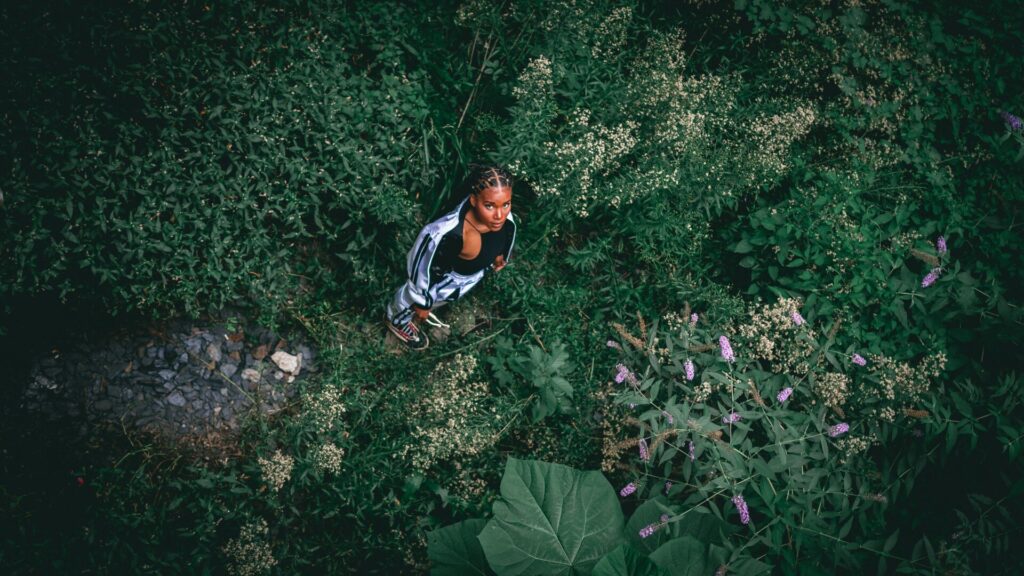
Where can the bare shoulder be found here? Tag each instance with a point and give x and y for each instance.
(470, 242)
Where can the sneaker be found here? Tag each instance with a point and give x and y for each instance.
(410, 335)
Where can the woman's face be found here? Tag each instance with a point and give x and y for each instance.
(491, 206)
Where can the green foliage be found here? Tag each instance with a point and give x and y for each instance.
(670, 157)
(534, 370)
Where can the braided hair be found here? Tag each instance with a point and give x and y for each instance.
(482, 177)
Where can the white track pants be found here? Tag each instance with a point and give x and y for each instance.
(448, 288)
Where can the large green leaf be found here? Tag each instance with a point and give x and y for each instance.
(626, 561)
(551, 519)
(684, 557)
(455, 551)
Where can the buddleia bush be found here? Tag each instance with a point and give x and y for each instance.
(766, 425)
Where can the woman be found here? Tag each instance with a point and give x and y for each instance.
(452, 253)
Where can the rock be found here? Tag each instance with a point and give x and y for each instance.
(287, 363)
(194, 345)
(183, 358)
(176, 399)
(229, 369)
(224, 391)
(260, 352)
(250, 375)
(235, 356)
(213, 351)
(278, 375)
(226, 412)
(102, 405)
(168, 374)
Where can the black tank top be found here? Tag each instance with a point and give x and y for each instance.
(491, 244)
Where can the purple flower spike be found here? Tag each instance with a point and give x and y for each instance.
(690, 450)
(668, 486)
(731, 418)
(1012, 122)
(784, 395)
(648, 530)
(620, 376)
(931, 277)
(645, 453)
(726, 348)
(628, 489)
(797, 318)
(940, 245)
(693, 319)
(664, 518)
(690, 371)
(859, 360)
(839, 429)
(613, 344)
(741, 507)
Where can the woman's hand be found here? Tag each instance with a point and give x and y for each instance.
(499, 263)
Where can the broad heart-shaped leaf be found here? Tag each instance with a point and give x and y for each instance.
(455, 551)
(551, 519)
(626, 561)
(684, 557)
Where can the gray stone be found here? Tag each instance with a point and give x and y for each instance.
(194, 345)
(168, 374)
(151, 352)
(213, 352)
(146, 362)
(102, 405)
(229, 369)
(176, 399)
(183, 358)
(227, 413)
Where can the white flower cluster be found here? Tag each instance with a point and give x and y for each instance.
(250, 554)
(610, 36)
(324, 408)
(454, 417)
(771, 137)
(535, 80)
(901, 382)
(277, 470)
(328, 458)
(592, 154)
(774, 337)
(833, 389)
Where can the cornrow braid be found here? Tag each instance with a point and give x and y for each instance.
(483, 177)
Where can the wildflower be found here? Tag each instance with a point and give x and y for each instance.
(741, 507)
(648, 530)
(858, 360)
(797, 318)
(628, 489)
(690, 450)
(931, 277)
(731, 418)
(1012, 122)
(727, 354)
(693, 319)
(690, 372)
(784, 395)
(645, 453)
(251, 552)
(839, 429)
(667, 416)
(623, 374)
(664, 518)
(613, 344)
(668, 486)
(940, 245)
(277, 470)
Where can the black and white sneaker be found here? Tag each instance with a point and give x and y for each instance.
(410, 335)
